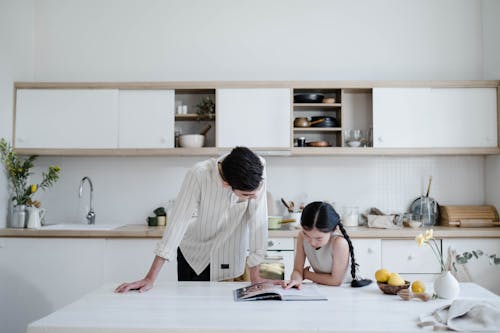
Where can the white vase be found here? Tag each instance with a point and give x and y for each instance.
(446, 286)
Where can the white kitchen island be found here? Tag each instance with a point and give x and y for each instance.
(209, 307)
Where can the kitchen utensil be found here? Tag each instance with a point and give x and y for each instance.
(469, 216)
(274, 222)
(425, 208)
(290, 210)
(329, 100)
(191, 140)
(308, 98)
(327, 121)
(205, 129)
(406, 294)
(304, 122)
(318, 144)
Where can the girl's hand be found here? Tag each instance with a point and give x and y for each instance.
(292, 284)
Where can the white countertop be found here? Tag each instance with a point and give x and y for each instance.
(209, 307)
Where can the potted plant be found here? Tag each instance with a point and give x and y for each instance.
(18, 171)
(206, 107)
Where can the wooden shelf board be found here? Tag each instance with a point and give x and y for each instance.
(194, 116)
(317, 129)
(323, 105)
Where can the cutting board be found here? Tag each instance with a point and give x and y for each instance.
(469, 216)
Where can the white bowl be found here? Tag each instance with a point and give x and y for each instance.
(354, 143)
(192, 140)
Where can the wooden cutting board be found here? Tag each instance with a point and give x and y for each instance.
(469, 216)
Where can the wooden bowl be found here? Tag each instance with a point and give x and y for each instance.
(392, 290)
(318, 144)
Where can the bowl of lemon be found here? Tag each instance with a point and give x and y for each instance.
(390, 283)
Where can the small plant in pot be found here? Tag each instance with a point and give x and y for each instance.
(206, 107)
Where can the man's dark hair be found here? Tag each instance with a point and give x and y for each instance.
(242, 169)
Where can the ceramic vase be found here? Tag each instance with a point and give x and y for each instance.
(18, 216)
(446, 286)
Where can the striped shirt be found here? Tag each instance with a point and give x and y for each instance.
(211, 225)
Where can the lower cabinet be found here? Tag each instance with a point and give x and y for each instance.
(410, 260)
(367, 255)
(479, 270)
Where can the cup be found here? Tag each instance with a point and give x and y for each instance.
(274, 222)
(301, 142)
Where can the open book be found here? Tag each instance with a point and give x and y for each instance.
(269, 291)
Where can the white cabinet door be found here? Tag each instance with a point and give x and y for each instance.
(146, 119)
(66, 118)
(257, 118)
(478, 270)
(406, 257)
(367, 255)
(434, 117)
(128, 260)
(40, 275)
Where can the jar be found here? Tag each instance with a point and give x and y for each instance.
(18, 219)
(350, 216)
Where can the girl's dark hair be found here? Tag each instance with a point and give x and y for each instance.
(322, 216)
(242, 169)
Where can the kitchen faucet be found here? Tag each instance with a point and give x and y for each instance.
(91, 214)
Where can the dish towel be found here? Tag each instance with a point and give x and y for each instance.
(382, 222)
(464, 315)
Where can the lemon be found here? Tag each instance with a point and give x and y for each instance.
(382, 275)
(395, 280)
(418, 287)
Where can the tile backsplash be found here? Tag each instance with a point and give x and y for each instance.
(127, 189)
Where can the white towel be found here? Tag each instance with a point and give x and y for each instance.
(465, 315)
(382, 222)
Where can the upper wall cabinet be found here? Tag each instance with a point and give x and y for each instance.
(66, 118)
(435, 117)
(257, 118)
(146, 119)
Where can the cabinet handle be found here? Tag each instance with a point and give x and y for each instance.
(410, 257)
(379, 139)
(163, 139)
(270, 243)
(20, 139)
(369, 250)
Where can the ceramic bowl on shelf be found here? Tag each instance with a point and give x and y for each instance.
(354, 143)
(191, 140)
(392, 290)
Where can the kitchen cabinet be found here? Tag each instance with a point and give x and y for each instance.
(368, 256)
(146, 119)
(256, 118)
(66, 118)
(435, 117)
(479, 270)
(406, 257)
(41, 275)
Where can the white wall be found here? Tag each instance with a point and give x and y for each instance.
(16, 64)
(125, 40)
(156, 40)
(491, 69)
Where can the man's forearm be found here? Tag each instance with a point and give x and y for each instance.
(155, 268)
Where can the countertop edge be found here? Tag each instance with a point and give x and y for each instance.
(142, 231)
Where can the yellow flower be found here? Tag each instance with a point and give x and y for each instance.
(429, 234)
(33, 188)
(420, 239)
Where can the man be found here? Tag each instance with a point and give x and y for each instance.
(220, 212)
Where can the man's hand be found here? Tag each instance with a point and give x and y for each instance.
(141, 285)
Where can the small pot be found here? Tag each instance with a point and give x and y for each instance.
(304, 122)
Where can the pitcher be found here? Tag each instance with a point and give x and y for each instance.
(35, 216)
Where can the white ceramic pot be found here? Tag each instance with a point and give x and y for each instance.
(446, 286)
(192, 140)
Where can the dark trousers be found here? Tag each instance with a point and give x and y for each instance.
(186, 273)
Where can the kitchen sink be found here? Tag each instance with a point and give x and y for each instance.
(80, 226)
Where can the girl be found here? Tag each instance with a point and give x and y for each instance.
(327, 252)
